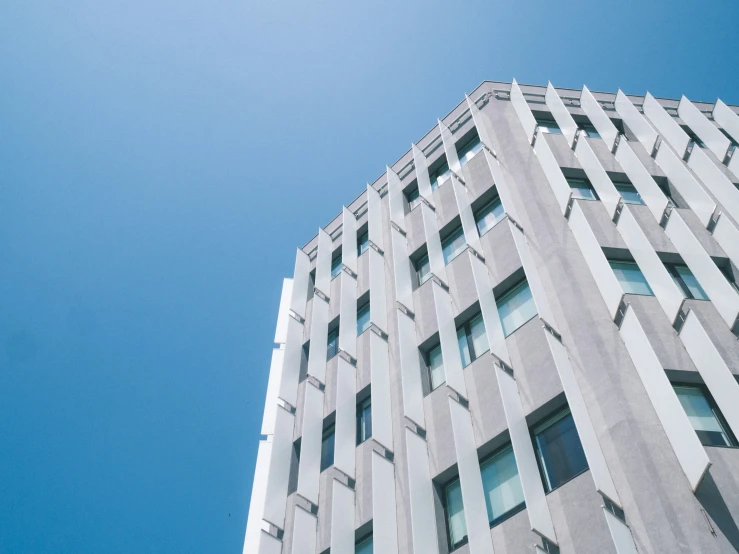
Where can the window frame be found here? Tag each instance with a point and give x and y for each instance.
(453, 235)
(520, 506)
(445, 502)
(588, 186)
(362, 242)
(480, 214)
(623, 186)
(427, 359)
(336, 266)
(328, 431)
(546, 125)
(539, 428)
(715, 410)
(467, 327)
(506, 296)
(441, 170)
(361, 310)
(680, 282)
(420, 262)
(633, 263)
(363, 543)
(364, 407)
(474, 143)
(333, 333)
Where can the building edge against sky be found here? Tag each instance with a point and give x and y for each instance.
(521, 338)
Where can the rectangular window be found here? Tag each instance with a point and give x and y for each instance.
(590, 131)
(559, 451)
(413, 198)
(468, 151)
(455, 521)
(628, 193)
(435, 363)
(473, 342)
(336, 266)
(516, 308)
(423, 269)
(439, 175)
(362, 243)
(333, 344)
(364, 547)
(327, 448)
(502, 486)
(363, 318)
(549, 126)
(490, 214)
(687, 282)
(364, 420)
(582, 189)
(630, 278)
(708, 422)
(453, 245)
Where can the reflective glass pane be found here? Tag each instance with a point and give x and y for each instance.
(364, 421)
(469, 150)
(414, 199)
(453, 245)
(478, 336)
(335, 266)
(362, 243)
(455, 514)
(489, 216)
(691, 283)
(439, 176)
(436, 367)
(516, 308)
(363, 319)
(549, 126)
(364, 547)
(582, 189)
(327, 449)
(628, 193)
(423, 269)
(702, 417)
(464, 348)
(631, 278)
(501, 484)
(333, 344)
(560, 452)
(590, 131)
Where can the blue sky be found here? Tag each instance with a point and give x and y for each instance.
(160, 162)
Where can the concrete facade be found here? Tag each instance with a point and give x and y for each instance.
(651, 486)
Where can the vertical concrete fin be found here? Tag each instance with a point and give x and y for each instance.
(378, 301)
(714, 139)
(284, 311)
(715, 181)
(395, 199)
(349, 239)
(489, 309)
(727, 236)
(450, 355)
(305, 532)
(450, 147)
(422, 174)
(561, 114)
(643, 182)
(636, 122)
(384, 508)
(621, 534)
(481, 123)
(288, 385)
(421, 496)
(602, 123)
(374, 217)
(309, 469)
(382, 420)
(258, 491)
(502, 181)
(410, 369)
(469, 226)
(402, 269)
(727, 118)
(342, 518)
(323, 262)
(348, 315)
(555, 177)
(433, 242)
(688, 449)
(301, 281)
(666, 125)
(602, 183)
(521, 106)
(273, 389)
(319, 339)
(345, 437)
(275, 496)
(470, 480)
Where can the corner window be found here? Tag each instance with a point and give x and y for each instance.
(687, 282)
(516, 308)
(435, 363)
(364, 420)
(363, 318)
(453, 245)
(559, 451)
(455, 521)
(548, 126)
(582, 189)
(327, 448)
(490, 214)
(704, 416)
(333, 344)
(473, 342)
(336, 266)
(502, 486)
(364, 547)
(628, 193)
(468, 151)
(362, 243)
(630, 278)
(413, 198)
(423, 269)
(589, 130)
(439, 175)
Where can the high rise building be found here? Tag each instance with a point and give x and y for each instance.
(521, 338)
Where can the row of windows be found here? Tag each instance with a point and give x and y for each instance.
(632, 280)
(560, 457)
(364, 432)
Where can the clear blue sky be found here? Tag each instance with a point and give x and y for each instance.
(159, 163)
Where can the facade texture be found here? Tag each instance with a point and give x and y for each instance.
(521, 338)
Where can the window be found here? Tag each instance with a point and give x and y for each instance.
(581, 188)
(473, 342)
(628, 193)
(468, 151)
(687, 282)
(435, 363)
(549, 126)
(439, 175)
(502, 486)
(558, 450)
(363, 318)
(704, 415)
(327, 448)
(364, 547)
(423, 269)
(453, 245)
(630, 278)
(333, 344)
(489, 215)
(364, 420)
(413, 198)
(589, 130)
(362, 243)
(516, 308)
(336, 266)
(455, 521)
